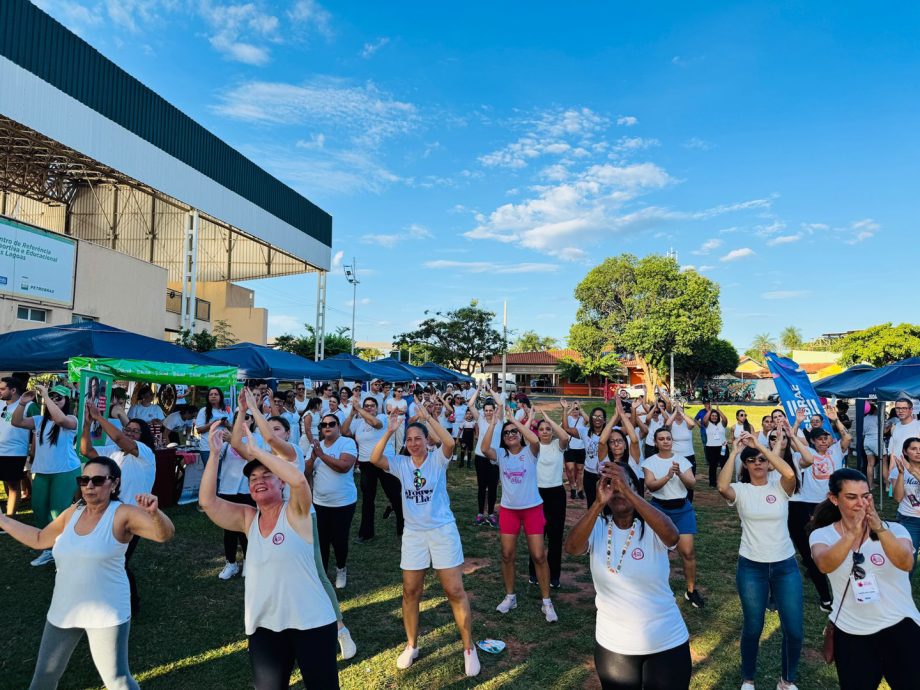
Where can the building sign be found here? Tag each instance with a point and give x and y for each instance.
(35, 264)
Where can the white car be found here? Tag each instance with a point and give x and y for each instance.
(636, 391)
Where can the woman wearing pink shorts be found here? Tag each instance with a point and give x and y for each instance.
(521, 504)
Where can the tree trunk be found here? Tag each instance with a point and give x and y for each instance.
(652, 376)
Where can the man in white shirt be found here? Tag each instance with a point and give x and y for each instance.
(906, 427)
(467, 391)
(376, 393)
(14, 442)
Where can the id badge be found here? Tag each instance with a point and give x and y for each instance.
(865, 590)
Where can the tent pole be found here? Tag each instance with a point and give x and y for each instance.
(881, 436)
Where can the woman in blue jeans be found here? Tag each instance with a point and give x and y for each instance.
(767, 569)
(905, 481)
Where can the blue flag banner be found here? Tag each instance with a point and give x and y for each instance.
(795, 390)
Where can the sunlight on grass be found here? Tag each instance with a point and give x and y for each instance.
(189, 661)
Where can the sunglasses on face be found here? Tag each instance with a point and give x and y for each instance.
(327, 425)
(741, 415)
(758, 459)
(84, 480)
(300, 388)
(510, 432)
(55, 397)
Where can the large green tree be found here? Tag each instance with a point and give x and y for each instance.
(459, 339)
(790, 338)
(708, 357)
(647, 307)
(305, 345)
(203, 341)
(530, 341)
(880, 345)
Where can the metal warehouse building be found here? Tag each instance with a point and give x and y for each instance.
(114, 205)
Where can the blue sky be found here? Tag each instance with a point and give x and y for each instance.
(499, 150)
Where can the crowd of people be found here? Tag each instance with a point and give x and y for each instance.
(280, 481)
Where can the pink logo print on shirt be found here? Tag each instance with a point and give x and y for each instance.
(638, 554)
(278, 539)
(515, 477)
(877, 559)
(771, 498)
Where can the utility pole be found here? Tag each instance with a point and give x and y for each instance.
(351, 275)
(504, 347)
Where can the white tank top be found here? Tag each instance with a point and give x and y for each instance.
(90, 587)
(283, 590)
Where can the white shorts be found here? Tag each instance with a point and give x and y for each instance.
(870, 445)
(439, 548)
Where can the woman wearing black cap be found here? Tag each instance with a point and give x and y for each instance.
(288, 615)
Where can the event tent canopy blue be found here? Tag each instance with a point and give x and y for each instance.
(259, 361)
(347, 366)
(830, 385)
(454, 376)
(410, 372)
(884, 383)
(48, 349)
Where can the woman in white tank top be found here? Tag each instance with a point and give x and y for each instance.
(91, 592)
(288, 615)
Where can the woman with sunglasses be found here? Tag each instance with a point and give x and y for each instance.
(715, 424)
(767, 569)
(55, 463)
(398, 403)
(132, 450)
(91, 591)
(741, 425)
(876, 625)
(790, 447)
(619, 444)
(641, 640)
(669, 478)
(431, 538)
(522, 505)
(590, 436)
(335, 495)
(574, 419)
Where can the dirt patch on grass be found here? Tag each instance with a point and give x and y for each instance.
(518, 651)
(471, 565)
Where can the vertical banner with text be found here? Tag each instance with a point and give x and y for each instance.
(795, 389)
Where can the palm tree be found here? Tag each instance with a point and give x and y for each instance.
(763, 343)
(790, 338)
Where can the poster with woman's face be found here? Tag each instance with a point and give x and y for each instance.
(95, 388)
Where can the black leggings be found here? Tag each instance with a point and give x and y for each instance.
(715, 460)
(862, 660)
(667, 670)
(799, 515)
(333, 525)
(370, 475)
(486, 484)
(589, 482)
(272, 655)
(692, 460)
(554, 511)
(234, 539)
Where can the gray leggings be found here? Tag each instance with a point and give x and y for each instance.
(321, 571)
(107, 646)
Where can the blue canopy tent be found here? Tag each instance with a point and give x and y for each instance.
(410, 372)
(259, 361)
(454, 376)
(347, 366)
(838, 382)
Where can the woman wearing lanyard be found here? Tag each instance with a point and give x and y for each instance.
(715, 424)
(431, 538)
(641, 640)
(521, 505)
(486, 472)
(875, 620)
(288, 617)
(767, 569)
(334, 492)
(905, 479)
(669, 478)
(55, 465)
(590, 436)
(91, 592)
(549, 484)
(816, 467)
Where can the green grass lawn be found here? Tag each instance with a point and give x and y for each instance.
(189, 634)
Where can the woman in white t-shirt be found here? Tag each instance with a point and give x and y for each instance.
(767, 569)
(431, 538)
(742, 424)
(715, 451)
(215, 409)
(575, 419)
(641, 640)
(669, 478)
(590, 436)
(876, 622)
(681, 427)
(522, 505)
(486, 472)
(620, 444)
(553, 442)
(816, 467)
(309, 424)
(905, 480)
(55, 465)
(398, 404)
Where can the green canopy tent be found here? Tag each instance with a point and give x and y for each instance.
(221, 376)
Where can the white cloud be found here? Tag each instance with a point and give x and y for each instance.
(71, 13)
(635, 143)
(708, 246)
(413, 232)
(312, 15)
(627, 120)
(491, 267)
(333, 171)
(370, 48)
(697, 144)
(784, 294)
(337, 258)
(863, 230)
(784, 239)
(736, 254)
(240, 32)
(316, 141)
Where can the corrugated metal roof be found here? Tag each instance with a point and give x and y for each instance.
(39, 44)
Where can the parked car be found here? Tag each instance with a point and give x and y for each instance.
(636, 391)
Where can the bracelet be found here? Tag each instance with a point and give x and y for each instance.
(883, 529)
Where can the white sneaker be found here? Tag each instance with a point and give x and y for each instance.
(471, 663)
(230, 570)
(747, 685)
(347, 645)
(409, 654)
(550, 613)
(508, 603)
(341, 578)
(43, 558)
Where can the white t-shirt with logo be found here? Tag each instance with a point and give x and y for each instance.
(815, 476)
(549, 465)
(367, 436)
(332, 489)
(636, 611)
(138, 472)
(496, 435)
(590, 442)
(200, 421)
(577, 423)
(910, 504)
(763, 511)
(424, 490)
(14, 442)
(146, 412)
(715, 435)
(57, 458)
(518, 473)
(895, 602)
(659, 467)
(900, 433)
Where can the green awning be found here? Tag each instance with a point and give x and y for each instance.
(155, 372)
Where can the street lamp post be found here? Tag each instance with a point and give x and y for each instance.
(351, 275)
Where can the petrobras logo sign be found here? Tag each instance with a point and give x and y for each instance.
(36, 264)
